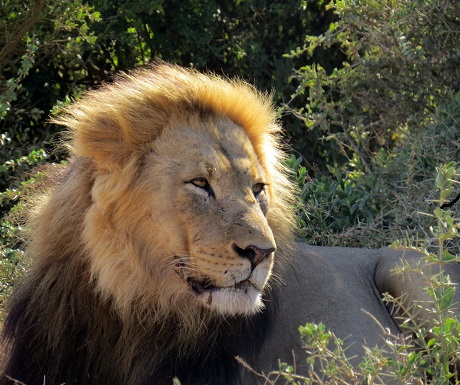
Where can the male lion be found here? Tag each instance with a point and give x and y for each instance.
(167, 248)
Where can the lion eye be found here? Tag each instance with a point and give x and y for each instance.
(257, 188)
(200, 182)
(203, 183)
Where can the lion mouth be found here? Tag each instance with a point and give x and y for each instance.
(205, 286)
(237, 297)
(202, 286)
(242, 297)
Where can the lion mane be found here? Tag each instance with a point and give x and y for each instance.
(108, 299)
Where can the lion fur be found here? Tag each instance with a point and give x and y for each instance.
(88, 288)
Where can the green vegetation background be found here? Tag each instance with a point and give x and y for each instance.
(368, 92)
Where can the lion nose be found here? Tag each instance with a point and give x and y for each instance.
(253, 253)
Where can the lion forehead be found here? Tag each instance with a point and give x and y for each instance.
(215, 148)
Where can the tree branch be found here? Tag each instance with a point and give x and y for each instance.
(31, 19)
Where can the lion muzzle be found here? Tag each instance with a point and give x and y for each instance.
(244, 294)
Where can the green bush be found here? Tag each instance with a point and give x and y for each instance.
(333, 209)
(372, 210)
(385, 119)
(401, 64)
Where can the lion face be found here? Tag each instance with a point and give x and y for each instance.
(209, 201)
(188, 194)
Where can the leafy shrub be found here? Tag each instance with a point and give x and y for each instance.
(402, 62)
(385, 119)
(372, 210)
(333, 209)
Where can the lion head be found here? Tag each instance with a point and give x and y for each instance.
(190, 204)
(156, 253)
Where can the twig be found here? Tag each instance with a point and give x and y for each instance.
(31, 19)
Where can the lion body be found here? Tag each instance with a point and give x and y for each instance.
(167, 249)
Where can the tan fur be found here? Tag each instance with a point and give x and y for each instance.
(125, 226)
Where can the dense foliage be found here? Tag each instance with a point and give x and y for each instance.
(386, 118)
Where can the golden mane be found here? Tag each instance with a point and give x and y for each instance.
(84, 274)
(113, 124)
